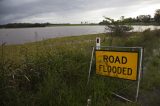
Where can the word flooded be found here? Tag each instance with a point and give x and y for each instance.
(117, 64)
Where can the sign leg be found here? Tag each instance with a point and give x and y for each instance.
(90, 67)
(139, 75)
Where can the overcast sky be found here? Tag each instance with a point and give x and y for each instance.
(73, 11)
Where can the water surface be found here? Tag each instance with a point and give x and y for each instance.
(24, 35)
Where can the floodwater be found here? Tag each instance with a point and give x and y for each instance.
(24, 35)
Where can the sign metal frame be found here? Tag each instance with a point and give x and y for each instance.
(139, 70)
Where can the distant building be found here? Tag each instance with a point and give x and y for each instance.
(122, 18)
(85, 22)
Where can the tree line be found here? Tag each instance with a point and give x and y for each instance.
(23, 25)
(28, 25)
(141, 19)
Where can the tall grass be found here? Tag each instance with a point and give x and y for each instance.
(54, 72)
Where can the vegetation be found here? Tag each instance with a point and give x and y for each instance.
(157, 16)
(139, 20)
(28, 25)
(23, 25)
(54, 72)
(116, 29)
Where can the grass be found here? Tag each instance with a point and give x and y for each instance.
(54, 72)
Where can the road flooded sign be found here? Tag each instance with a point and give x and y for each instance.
(117, 64)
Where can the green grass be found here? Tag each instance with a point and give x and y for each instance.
(54, 72)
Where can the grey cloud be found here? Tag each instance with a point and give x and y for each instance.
(34, 8)
(11, 10)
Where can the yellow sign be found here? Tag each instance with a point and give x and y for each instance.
(117, 64)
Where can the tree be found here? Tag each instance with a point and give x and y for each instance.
(157, 16)
(116, 28)
(144, 18)
(129, 20)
